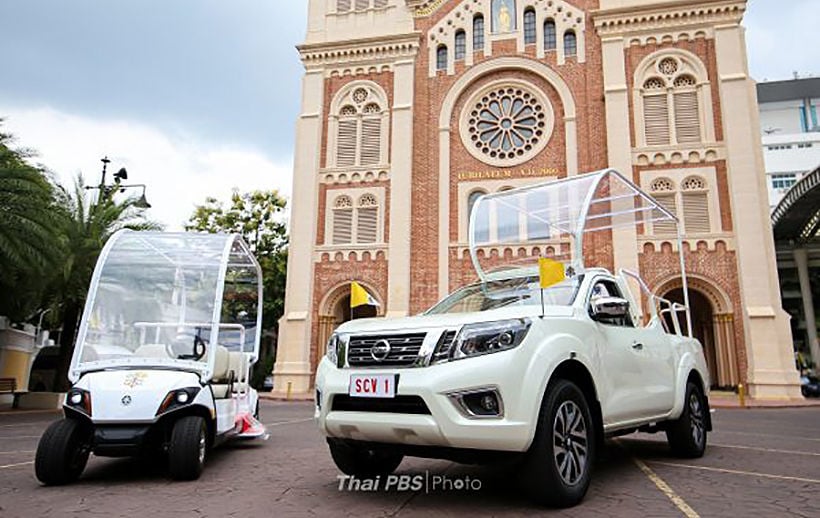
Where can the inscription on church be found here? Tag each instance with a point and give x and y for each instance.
(500, 174)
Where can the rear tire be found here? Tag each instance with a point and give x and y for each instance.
(62, 452)
(687, 434)
(363, 462)
(187, 449)
(558, 466)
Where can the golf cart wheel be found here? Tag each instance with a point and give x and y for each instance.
(62, 452)
(187, 449)
(363, 462)
(687, 434)
(558, 466)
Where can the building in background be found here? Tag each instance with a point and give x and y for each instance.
(411, 109)
(791, 132)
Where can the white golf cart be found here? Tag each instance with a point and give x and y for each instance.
(162, 361)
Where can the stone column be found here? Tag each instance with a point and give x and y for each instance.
(401, 178)
(771, 372)
(293, 351)
(801, 258)
(619, 150)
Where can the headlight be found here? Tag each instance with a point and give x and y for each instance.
(489, 337)
(79, 399)
(333, 349)
(177, 398)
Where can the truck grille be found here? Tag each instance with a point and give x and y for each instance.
(404, 350)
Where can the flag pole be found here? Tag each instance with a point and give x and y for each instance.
(542, 303)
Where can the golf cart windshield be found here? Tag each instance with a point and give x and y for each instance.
(162, 299)
(496, 294)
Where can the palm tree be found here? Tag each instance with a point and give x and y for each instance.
(84, 228)
(28, 244)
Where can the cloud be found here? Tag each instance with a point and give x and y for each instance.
(777, 38)
(179, 169)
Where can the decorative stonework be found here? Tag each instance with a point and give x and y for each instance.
(695, 154)
(506, 123)
(422, 8)
(353, 175)
(360, 54)
(661, 22)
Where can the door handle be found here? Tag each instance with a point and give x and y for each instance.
(637, 346)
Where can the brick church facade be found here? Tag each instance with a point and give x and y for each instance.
(413, 108)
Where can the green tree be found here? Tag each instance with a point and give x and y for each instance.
(84, 227)
(258, 217)
(28, 237)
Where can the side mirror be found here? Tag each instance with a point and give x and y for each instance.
(605, 308)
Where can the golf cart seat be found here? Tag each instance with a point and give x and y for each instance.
(228, 371)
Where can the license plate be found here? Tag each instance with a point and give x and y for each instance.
(375, 385)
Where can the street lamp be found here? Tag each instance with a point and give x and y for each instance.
(119, 176)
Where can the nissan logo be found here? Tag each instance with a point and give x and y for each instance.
(380, 350)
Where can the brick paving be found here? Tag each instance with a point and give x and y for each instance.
(763, 462)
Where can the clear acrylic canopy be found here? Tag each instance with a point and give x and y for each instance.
(163, 299)
(556, 217)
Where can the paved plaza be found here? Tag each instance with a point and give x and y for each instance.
(761, 462)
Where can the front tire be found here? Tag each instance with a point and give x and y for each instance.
(363, 462)
(558, 467)
(687, 434)
(62, 452)
(187, 449)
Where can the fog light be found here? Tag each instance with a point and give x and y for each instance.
(482, 403)
(489, 404)
(182, 397)
(76, 398)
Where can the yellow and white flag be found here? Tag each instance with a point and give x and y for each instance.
(360, 297)
(550, 272)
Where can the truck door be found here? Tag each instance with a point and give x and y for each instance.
(620, 360)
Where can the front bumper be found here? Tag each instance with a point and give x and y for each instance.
(121, 440)
(445, 425)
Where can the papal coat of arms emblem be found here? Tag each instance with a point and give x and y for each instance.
(135, 379)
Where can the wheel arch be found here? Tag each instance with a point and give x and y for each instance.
(167, 421)
(578, 373)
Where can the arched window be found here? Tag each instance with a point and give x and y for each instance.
(367, 224)
(362, 5)
(461, 45)
(689, 203)
(695, 194)
(441, 57)
(663, 190)
(478, 32)
(343, 6)
(670, 100)
(570, 44)
(380, 3)
(342, 220)
(550, 35)
(360, 127)
(482, 218)
(529, 26)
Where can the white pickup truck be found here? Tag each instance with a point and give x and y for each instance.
(503, 367)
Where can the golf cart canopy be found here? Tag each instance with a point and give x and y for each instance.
(556, 218)
(163, 299)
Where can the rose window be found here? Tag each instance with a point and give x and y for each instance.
(507, 124)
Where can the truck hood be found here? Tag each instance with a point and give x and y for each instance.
(449, 320)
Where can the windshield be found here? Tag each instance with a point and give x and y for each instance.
(163, 298)
(507, 292)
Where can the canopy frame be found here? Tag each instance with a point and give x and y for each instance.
(645, 209)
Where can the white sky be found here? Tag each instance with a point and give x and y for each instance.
(208, 102)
